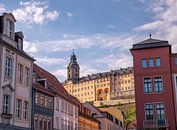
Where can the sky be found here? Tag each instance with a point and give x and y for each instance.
(101, 32)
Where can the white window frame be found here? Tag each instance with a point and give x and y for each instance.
(9, 28)
(20, 73)
(6, 104)
(8, 67)
(19, 108)
(25, 110)
(27, 76)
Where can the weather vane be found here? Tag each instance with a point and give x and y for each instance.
(150, 35)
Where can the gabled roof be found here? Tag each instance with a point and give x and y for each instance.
(54, 84)
(150, 43)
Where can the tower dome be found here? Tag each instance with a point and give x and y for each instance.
(73, 68)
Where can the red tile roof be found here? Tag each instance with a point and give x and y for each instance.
(53, 81)
(41, 88)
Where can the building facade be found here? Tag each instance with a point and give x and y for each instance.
(43, 101)
(106, 86)
(107, 120)
(115, 112)
(86, 120)
(54, 108)
(155, 84)
(16, 76)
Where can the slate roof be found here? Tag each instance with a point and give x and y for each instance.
(120, 71)
(55, 85)
(150, 43)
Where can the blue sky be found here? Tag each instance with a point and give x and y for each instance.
(100, 31)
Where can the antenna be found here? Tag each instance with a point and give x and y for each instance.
(73, 51)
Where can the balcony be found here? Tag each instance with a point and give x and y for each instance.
(157, 123)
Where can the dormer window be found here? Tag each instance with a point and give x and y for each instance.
(10, 28)
(43, 82)
(20, 44)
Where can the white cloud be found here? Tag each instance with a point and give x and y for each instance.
(115, 61)
(61, 74)
(101, 42)
(34, 12)
(30, 47)
(79, 42)
(69, 14)
(50, 60)
(86, 69)
(164, 23)
(2, 8)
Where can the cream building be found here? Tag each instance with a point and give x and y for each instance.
(108, 121)
(15, 83)
(107, 86)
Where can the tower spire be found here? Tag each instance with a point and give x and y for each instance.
(73, 67)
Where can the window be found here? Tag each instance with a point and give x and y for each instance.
(8, 68)
(75, 126)
(57, 122)
(76, 112)
(18, 108)
(41, 100)
(143, 63)
(62, 124)
(40, 123)
(57, 104)
(62, 106)
(160, 111)
(160, 114)
(66, 107)
(9, 28)
(6, 104)
(176, 61)
(20, 73)
(149, 111)
(158, 84)
(35, 123)
(147, 85)
(157, 62)
(27, 76)
(151, 62)
(25, 110)
(50, 103)
(46, 102)
(71, 110)
(49, 124)
(45, 124)
(36, 99)
(20, 44)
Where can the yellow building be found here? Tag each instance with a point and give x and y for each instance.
(106, 86)
(122, 84)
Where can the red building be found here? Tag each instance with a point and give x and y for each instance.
(155, 73)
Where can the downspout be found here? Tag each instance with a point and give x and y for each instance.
(172, 88)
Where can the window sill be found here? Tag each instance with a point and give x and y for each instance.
(6, 115)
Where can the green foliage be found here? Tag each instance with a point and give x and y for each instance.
(103, 106)
(119, 104)
(129, 115)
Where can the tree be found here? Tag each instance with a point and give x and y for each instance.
(129, 116)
